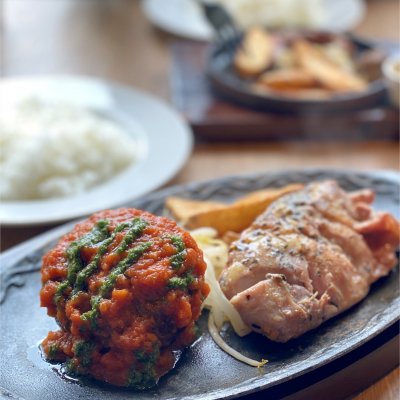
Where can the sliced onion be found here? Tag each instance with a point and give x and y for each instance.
(214, 332)
(221, 310)
(221, 307)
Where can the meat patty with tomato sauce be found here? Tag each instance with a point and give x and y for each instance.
(126, 288)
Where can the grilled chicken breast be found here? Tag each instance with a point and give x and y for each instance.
(311, 255)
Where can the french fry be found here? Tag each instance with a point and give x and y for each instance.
(265, 194)
(324, 70)
(305, 94)
(288, 79)
(182, 209)
(255, 52)
(239, 215)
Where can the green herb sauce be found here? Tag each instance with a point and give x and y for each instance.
(181, 282)
(143, 373)
(93, 313)
(83, 352)
(142, 379)
(178, 259)
(77, 273)
(132, 256)
(96, 235)
(136, 228)
(60, 291)
(52, 352)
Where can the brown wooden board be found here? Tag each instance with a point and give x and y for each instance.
(213, 117)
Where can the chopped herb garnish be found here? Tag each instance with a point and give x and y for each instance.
(60, 291)
(136, 228)
(77, 273)
(143, 373)
(52, 351)
(145, 357)
(181, 282)
(93, 313)
(83, 352)
(142, 379)
(96, 235)
(71, 367)
(178, 258)
(132, 256)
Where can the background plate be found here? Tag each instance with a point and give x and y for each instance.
(204, 371)
(184, 17)
(158, 131)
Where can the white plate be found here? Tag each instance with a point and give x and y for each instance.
(185, 18)
(180, 17)
(164, 140)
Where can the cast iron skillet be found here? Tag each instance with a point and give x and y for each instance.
(204, 371)
(227, 83)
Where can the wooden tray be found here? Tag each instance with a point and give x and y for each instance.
(213, 117)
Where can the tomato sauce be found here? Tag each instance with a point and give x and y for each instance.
(126, 288)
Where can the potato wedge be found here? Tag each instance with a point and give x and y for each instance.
(182, 209)
(304, 94)
(266, 194)
(325, 71)
(239, 215)
(288, 79)
(255, 53)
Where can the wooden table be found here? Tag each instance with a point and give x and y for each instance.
(111, 39)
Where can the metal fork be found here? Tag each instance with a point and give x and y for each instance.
(223, 24)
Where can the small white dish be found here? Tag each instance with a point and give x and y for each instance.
(185, 18)
(163, 139)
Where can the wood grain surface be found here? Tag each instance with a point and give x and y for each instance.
(111, 39)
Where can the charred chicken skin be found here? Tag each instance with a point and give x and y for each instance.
(311, 255)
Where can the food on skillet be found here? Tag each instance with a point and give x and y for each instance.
(290, 78)
(309, 65)
(126, 288)
(311, 255)
(324, 71)
(254, 55)
(225, 218)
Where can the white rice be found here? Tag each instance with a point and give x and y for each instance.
(276, 13)
(53, 150)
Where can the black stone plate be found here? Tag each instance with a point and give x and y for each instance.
(203, 371)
